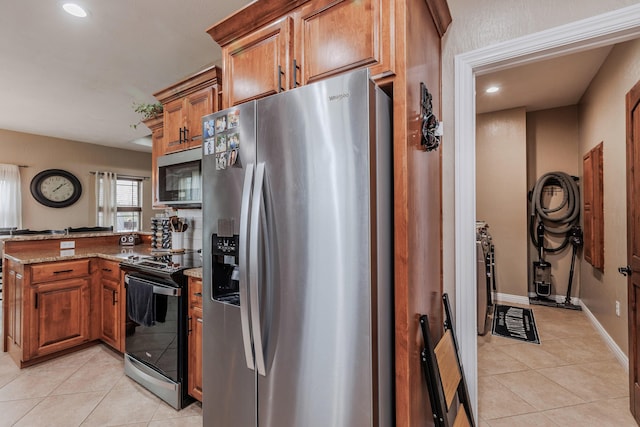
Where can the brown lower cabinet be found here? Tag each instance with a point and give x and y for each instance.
(55, 306)
(12, 307)
(194, 381)
(111, 300)
(59, 315)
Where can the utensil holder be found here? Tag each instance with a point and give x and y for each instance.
(177, 241)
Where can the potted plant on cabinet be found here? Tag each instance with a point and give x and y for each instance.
(148, 111)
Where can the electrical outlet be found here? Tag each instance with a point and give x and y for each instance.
(618, 308)
(70, 244)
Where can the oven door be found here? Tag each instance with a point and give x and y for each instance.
(156, 343)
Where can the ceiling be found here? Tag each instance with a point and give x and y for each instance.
(77, 78)
(552, 83)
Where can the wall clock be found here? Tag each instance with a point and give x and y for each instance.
(56, 188)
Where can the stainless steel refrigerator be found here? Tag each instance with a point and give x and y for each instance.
(297, 262)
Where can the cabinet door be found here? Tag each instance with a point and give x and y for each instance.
(593, 213)
(195, 338)
(110, 312)
(173, 125)
(60, 316)
(157, 149)
(197, 104)
(256, 65)
(334, 37)
(12, 305)
(195, 354)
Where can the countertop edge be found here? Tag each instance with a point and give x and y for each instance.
(26, 258)
(194, 272)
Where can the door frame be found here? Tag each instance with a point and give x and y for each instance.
(601, 30)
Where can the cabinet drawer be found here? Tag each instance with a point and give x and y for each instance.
(59, 270)
(110, 270)
(195, 292)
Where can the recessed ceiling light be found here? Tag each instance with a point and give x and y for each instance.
(74, 9)
(492, 89)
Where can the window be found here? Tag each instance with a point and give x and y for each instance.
(129, 196)
(10, 199)
(128, 206)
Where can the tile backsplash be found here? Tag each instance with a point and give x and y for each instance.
(192, 238)
(193, 235)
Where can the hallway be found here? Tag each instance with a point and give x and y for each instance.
(571, 379)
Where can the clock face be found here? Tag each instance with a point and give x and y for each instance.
(56, 188)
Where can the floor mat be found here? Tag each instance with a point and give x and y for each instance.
(515, 322)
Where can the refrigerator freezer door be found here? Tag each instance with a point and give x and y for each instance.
(319, 331)
(229, 386)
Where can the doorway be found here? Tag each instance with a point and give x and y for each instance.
(602, 30)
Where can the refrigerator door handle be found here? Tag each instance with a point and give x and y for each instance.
(243, 260)
(256, 210)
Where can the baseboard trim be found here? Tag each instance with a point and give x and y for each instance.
(617, 351)
(619, 354)
(513, 299)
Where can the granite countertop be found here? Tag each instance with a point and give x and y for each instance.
(194, 272)
(110, 252)
(59, 236)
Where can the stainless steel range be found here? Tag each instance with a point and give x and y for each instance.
(156, 337)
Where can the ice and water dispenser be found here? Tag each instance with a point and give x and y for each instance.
(225, 271)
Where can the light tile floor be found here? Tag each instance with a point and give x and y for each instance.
(571, 379)
(85, 388)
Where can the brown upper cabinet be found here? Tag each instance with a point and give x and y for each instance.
(307, 42)
(184, 105)
(156, 126)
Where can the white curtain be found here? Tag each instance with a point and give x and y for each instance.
(106, 199)
(10, 198)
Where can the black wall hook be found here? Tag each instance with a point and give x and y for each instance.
(430, 140)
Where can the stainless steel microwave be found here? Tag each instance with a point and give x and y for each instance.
(180, 178)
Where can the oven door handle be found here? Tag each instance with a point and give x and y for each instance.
(258, 218)
(163, 290)
(157, 288)
(243, 262)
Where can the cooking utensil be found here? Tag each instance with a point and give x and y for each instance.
(174, 223)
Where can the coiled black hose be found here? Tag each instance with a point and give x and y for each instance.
(560, 219)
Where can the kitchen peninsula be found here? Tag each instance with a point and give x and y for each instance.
(63, 292)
